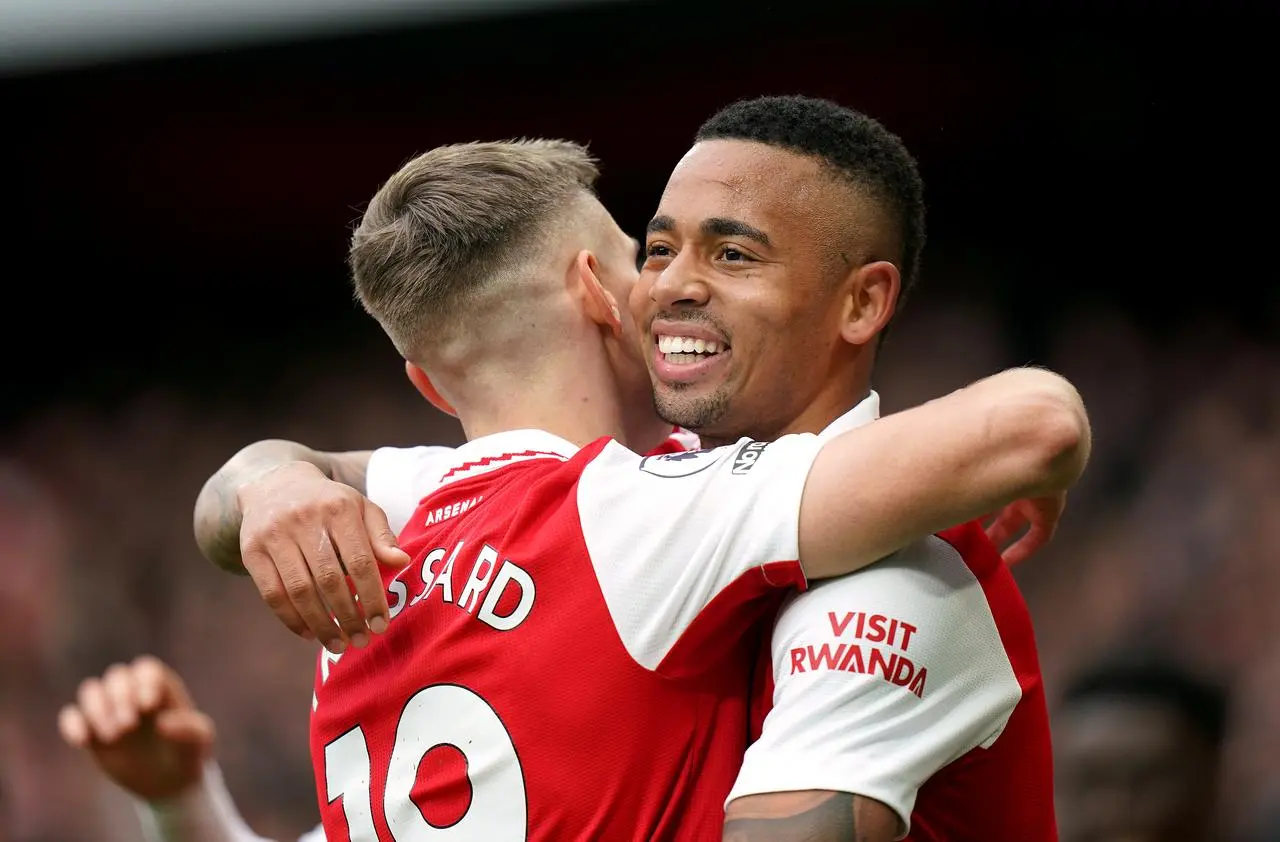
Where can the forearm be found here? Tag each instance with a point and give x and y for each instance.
(809, 816)
(206, 814)
(217, 516)
(871, 491)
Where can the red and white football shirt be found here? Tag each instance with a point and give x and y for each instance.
(914, 682)
(397, 478)
(566, 657)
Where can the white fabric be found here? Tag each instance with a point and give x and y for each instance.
(838, 723)
(207, 814)
(316, 834)
(397, 478)
(666, 534)
(881, 679)
(669, 533)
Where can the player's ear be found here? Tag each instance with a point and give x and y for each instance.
(598, 303)
(871, 294)
(422, 382)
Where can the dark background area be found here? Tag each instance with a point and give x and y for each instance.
(183, 219)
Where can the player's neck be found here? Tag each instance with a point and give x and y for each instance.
(643, 429)
(847, 385)
(831, 403)
(575, 399)
(837, 396)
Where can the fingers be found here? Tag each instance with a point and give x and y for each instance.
(1007, 524)
(112, 710)
(358, 548)
(301, 552)
(1044, 523)
(112, 706)
(73, 727)
(304, 594)
(186, 726)
(271, 570)
(118, 685)
(95, 707)
(157, 687)
(109, 708)
(331, 579)
(385, 544)
(1026, 546)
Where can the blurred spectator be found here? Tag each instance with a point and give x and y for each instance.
(1138, 744)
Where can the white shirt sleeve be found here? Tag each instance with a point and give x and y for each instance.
(206, 814)
(668, 534)
(881, 678)
(397, 479)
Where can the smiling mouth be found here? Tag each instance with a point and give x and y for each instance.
(687, 350)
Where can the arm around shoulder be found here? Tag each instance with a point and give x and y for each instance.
(871, 491)
(880, 681)
(810, 816)
(217, 515)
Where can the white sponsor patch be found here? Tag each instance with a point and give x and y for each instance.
(688, 463)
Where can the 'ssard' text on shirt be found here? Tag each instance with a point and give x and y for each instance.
(476, 579)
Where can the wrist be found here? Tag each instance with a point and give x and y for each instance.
(195, 791)
(170, 817)
(244, 484)
(204, 810)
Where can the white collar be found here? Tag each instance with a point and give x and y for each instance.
(867, 410)
(490, 452)
(515, 441)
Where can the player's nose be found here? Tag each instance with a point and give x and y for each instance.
(679, 285)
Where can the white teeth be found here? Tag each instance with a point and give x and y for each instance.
(687, 345)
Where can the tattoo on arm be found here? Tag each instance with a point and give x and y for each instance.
(218, 524)
(217, 517)
(830, 819)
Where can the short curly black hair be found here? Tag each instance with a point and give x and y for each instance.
(856, 146)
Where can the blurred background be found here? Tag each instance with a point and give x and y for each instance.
(180, 180)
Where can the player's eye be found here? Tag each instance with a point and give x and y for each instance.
(732, 254)
(656, 252)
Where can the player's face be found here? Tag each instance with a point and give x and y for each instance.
(736, 306)
(1131, 772)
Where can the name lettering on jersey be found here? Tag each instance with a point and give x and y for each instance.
(874, 634)
(443, 513)
(327, 660)
(493, 589)
(747, 456)
(496, 591)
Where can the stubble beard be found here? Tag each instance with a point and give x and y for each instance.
(676, 406)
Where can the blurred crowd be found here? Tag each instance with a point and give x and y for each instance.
(1171, 542)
